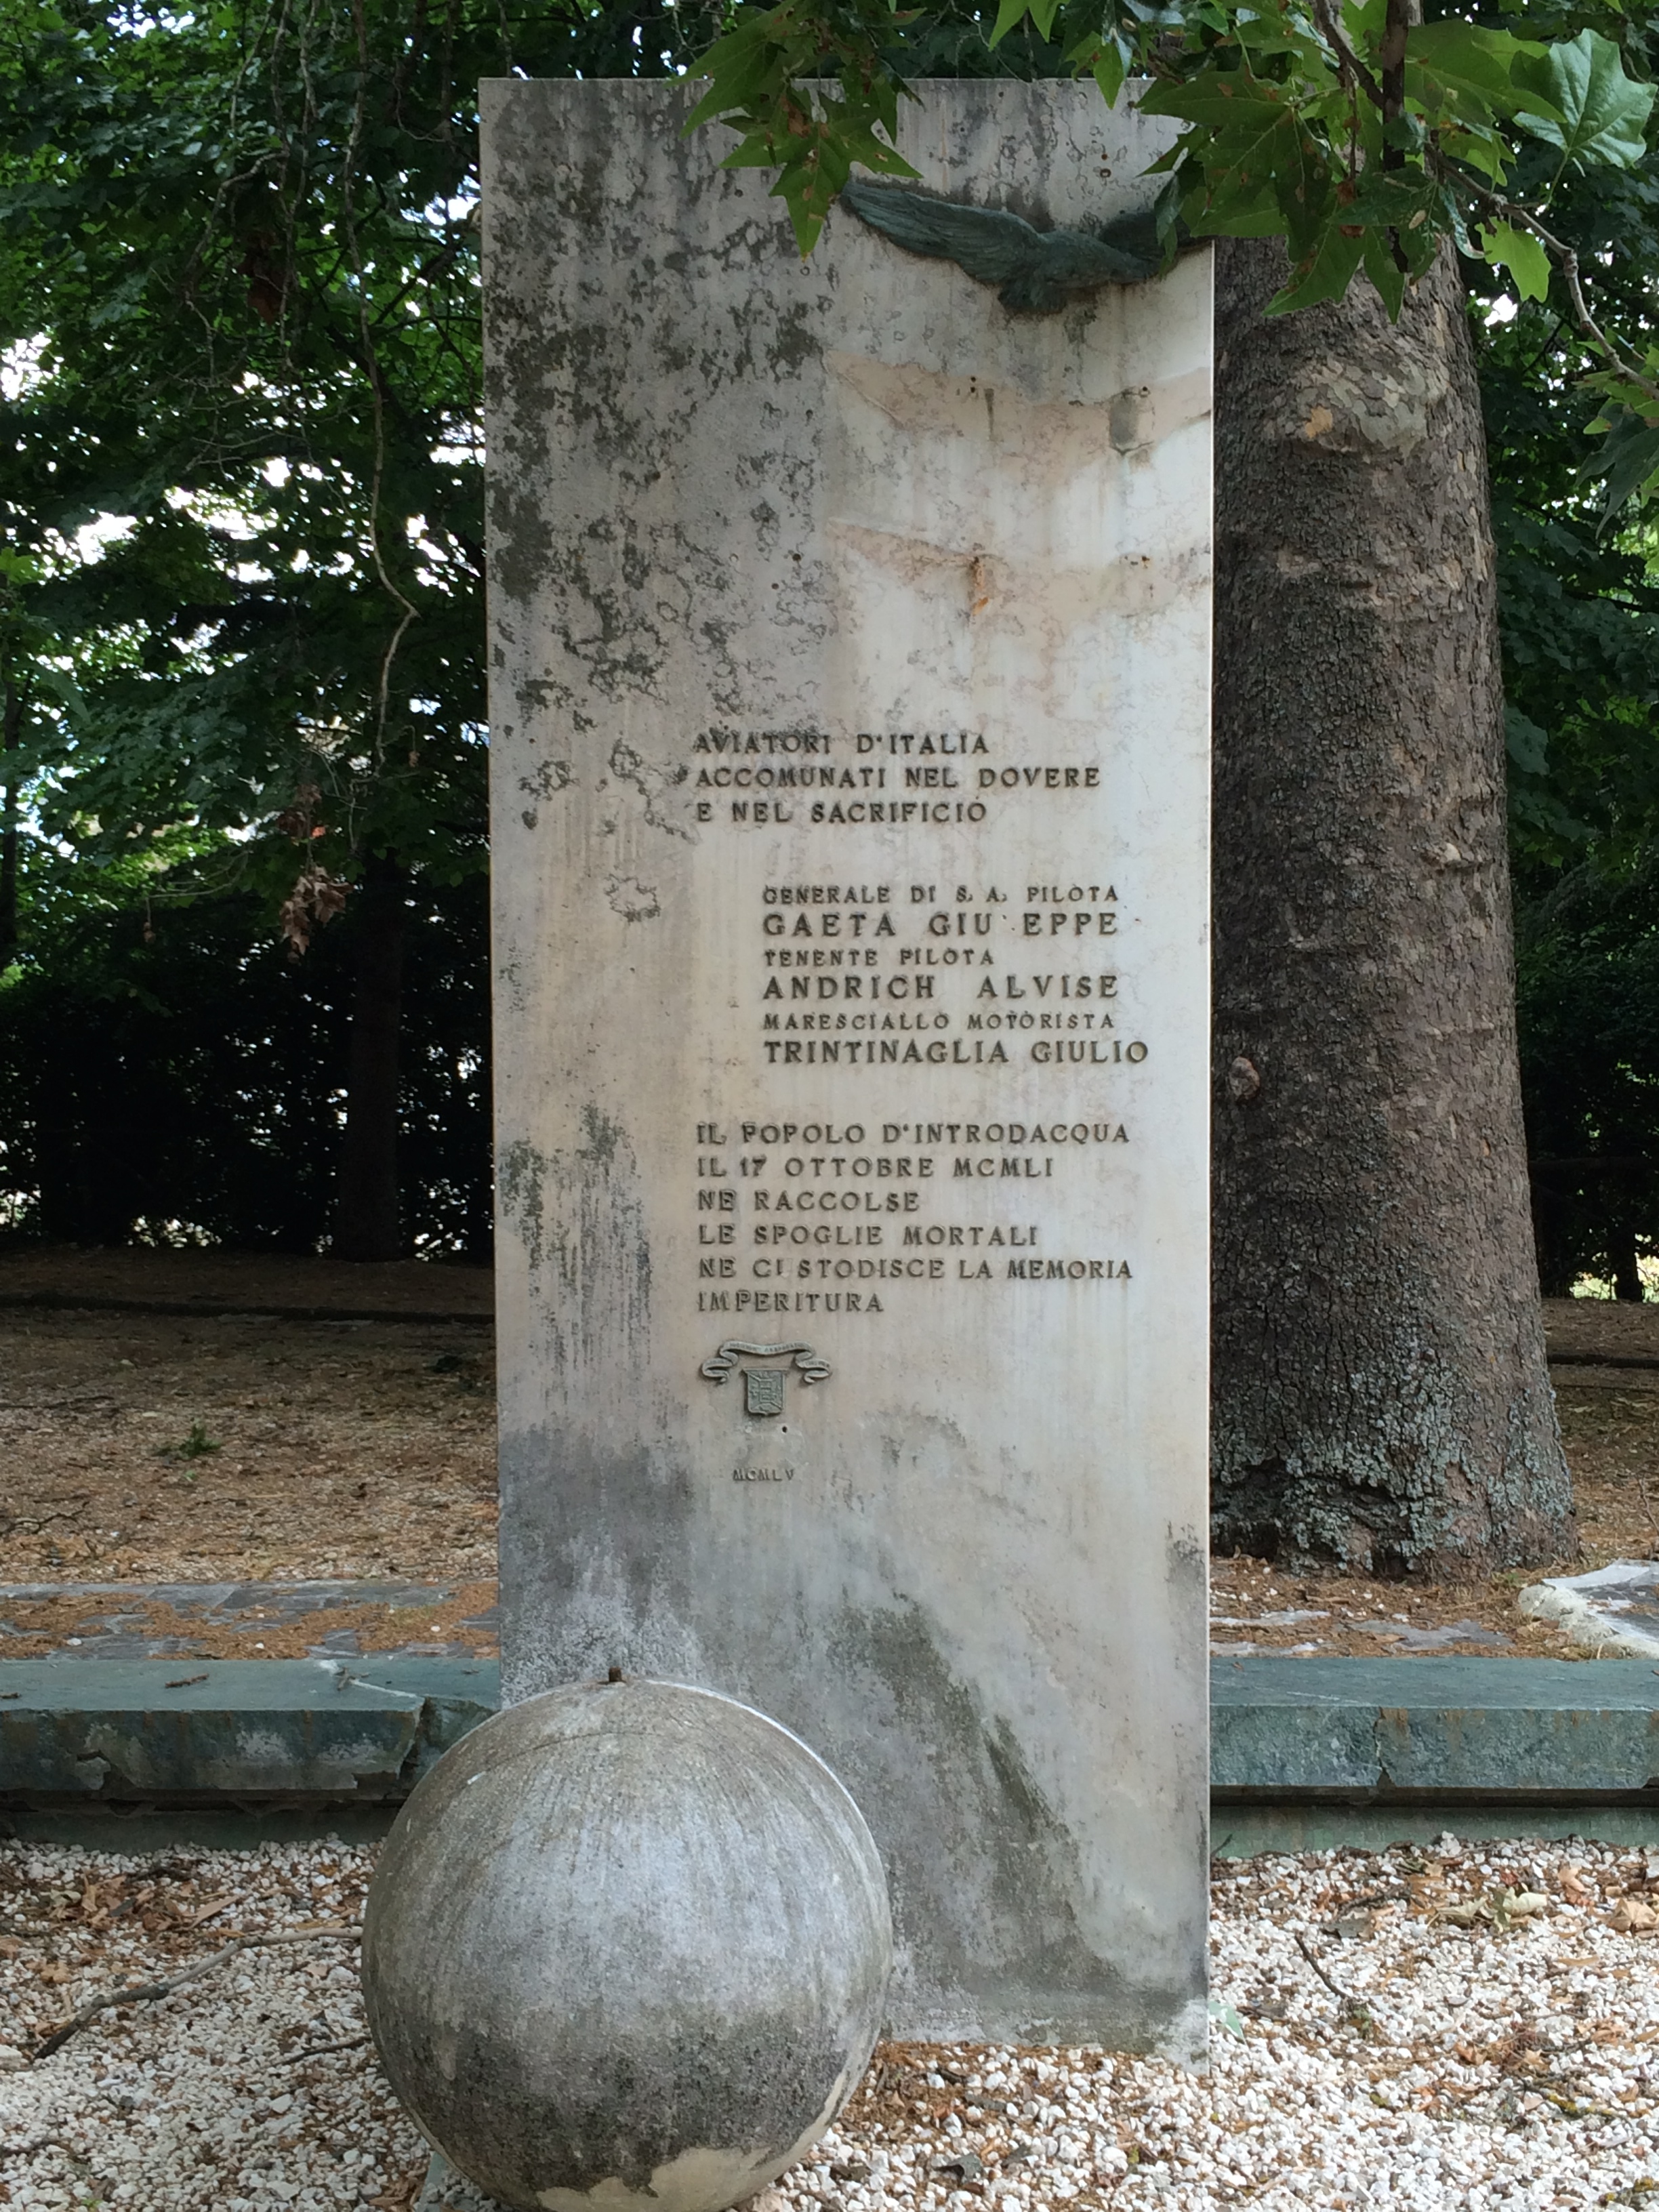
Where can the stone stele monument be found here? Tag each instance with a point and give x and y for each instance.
(850, 681)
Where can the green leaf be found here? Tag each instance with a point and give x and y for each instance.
(1325, 274)
(1391, 199)
(1450, 212)
(63, 687)
(1521, 253)
(1486, 150)
(1257, 156)
(1472, 62)
(1604, 114)
(1526, 743)
(1109, 70)
(1303, 183)
(1010, 14)
(758, 151)
(1628, 462)
(1384, 273)
(739, 66)
(1225, 207)
(1224, 100)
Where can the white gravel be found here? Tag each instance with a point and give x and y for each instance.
(204, 2099)
(1473, 2053)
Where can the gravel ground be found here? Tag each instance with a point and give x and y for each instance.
(224, 2095)
(1390, 2032)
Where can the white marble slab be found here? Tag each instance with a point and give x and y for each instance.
(850, 664)
(1612, 1611)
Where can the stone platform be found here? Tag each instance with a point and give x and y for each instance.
(1305, 1752)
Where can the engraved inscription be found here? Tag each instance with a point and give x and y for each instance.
(787, 765)
(931, 977)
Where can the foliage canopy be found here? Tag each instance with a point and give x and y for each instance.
(1362, 138)
(241, 634)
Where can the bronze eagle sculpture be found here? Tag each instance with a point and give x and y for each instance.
(1038, 272)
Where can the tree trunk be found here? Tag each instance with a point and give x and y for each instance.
(11, 736)
(1627, 1282)
(367, 1223)
(1382, 1401)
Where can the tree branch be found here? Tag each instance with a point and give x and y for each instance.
(1494, 203)
(1350, 65)
(1391, 55)
(148, 1992)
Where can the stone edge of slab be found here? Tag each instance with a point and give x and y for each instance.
(93, 1733)
(96, 1733)
(1582, 1728)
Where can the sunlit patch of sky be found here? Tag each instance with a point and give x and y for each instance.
(220, 514)
(93, 540)
(458, 208)
(1502, 310)
(146, 20)
(82, 547)
(20, 367)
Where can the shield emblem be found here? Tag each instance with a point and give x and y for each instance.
(763, 1389)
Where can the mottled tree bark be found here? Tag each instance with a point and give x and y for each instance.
(1382, 1401)
(368, 1218)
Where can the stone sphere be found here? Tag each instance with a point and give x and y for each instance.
(628, 1943)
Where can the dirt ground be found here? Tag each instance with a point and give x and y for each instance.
(276, 1282)
(244, 1439)
(149, 1449)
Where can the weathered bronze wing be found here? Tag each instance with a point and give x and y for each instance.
(1038, 272)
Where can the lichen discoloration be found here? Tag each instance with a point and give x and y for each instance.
(982, 1828)
(597, 1574)
(520, 1174)
(659, 783)
(633, 900)
(550, 776)
(607, 1139)
(521, 543)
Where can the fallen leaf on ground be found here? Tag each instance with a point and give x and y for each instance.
(1631, 1918)
(1465, 1915)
